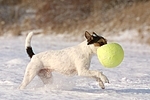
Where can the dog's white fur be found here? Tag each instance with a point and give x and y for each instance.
(69, 61)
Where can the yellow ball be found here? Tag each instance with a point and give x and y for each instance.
(110, 55)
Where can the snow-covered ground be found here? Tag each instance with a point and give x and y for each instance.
(128, 81)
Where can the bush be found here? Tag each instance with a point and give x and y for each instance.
(74, 16)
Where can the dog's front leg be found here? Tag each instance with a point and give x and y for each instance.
(99, 76)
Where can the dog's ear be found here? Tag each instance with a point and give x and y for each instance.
(88, 36)
(94, 34)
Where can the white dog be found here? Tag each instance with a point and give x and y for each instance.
(69, 61)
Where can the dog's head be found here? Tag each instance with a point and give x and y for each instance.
(95, 40)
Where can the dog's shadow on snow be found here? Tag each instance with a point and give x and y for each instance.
(137, 91)
(132, 91)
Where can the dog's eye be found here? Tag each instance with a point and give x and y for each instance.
(101, 43)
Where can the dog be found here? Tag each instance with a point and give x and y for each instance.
(69, 61)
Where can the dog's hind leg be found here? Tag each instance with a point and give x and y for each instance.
(31, 71)
(45, 75)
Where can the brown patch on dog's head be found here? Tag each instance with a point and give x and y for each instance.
(95, 39)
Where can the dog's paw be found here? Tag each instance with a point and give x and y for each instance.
(104, 78)
(100, 82)
(20, 88)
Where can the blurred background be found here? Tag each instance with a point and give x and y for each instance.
(123, 19)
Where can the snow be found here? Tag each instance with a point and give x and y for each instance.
(128, 81)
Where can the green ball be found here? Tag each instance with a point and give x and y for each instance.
(110, 55)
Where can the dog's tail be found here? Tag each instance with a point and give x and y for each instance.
(28, 45)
